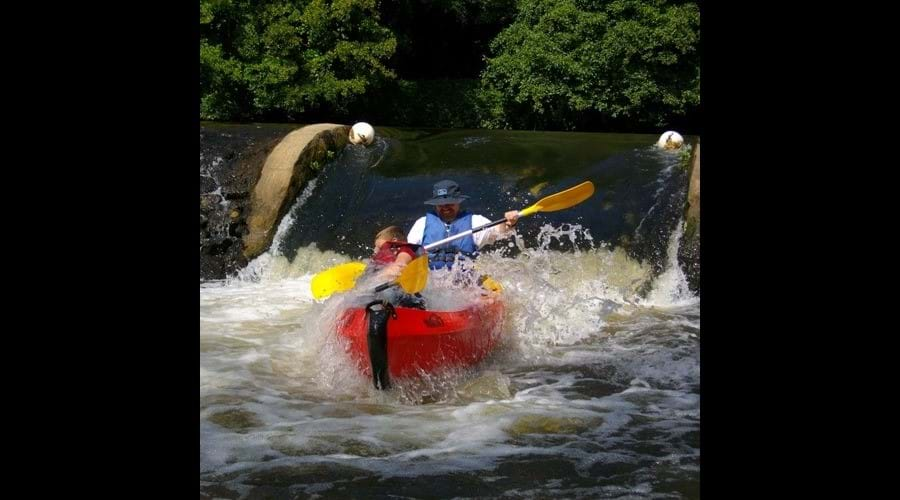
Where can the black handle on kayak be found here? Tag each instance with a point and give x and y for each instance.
(377, 338)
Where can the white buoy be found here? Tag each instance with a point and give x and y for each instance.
(362, 133)
(670, 140)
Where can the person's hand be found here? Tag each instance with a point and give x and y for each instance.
(386, 275)
(511, 218)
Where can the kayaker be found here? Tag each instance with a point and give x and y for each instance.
(392, 254)
(448, 219)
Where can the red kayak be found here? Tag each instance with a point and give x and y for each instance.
(411, 341)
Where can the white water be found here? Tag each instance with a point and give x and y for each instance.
(589, 373)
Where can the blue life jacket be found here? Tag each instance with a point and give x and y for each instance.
(436, 230)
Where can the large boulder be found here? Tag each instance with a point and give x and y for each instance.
(249, 177)
(293, 162)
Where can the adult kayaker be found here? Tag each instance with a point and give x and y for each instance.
(448, 219)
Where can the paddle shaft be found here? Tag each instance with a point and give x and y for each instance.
(448, 240)
(385, 286)
(462, 234)
(558, 201)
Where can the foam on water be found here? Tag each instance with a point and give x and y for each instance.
(589, 373)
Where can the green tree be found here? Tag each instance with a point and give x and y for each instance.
(283, 58)
(563, 63)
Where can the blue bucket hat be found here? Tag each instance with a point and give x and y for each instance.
(446, 193)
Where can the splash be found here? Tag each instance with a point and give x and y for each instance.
(270, 264)
(671, 287)
(558, 236)
(554, 299)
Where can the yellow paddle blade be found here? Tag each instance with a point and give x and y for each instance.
(414, 275)
(491, 284)
(564, 199)
(337, 279)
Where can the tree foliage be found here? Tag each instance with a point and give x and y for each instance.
(564, 60)
(528, 64)
(284, 57)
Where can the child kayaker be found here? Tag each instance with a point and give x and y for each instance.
(392, 254)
